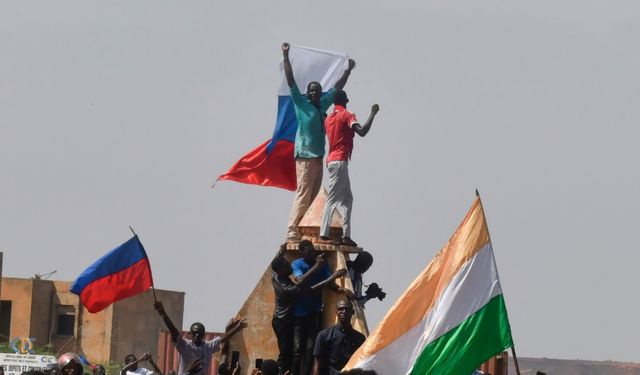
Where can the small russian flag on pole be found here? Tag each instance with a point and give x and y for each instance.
(123, 272)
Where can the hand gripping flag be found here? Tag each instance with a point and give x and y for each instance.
(272, 163)
(451, 319)
(123, 272)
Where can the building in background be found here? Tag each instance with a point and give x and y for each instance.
(53, 318)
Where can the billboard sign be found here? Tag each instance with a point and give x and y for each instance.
(16, 364)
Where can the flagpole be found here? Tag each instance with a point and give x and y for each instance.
(515, 359)
(153, 289)
(513, 350)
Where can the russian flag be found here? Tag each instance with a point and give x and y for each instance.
(272, 163)
(123, 272)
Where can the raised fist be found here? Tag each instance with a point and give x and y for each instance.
(285, 49)
(352, 64)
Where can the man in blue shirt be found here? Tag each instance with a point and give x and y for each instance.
(310, 139)
(307, 309)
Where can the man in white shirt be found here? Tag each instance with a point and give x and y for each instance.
(197, 348)
(131, 365)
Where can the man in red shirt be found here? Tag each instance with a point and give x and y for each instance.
(341, 126)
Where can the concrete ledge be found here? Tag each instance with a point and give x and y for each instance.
(319, 247)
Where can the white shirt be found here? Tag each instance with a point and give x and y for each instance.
(140, 371)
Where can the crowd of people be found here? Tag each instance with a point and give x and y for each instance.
(304, 349)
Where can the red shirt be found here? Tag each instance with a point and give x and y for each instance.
(338, 128)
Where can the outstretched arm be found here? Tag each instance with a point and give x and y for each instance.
(319, 262)
(156, 369)
(167, 321)
(288, 70)
(335, 275)
(234, 328)
(362, 130)
(331, 285)
(345, 76)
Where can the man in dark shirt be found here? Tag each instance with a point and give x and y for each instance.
(335, 345)
(286, 294)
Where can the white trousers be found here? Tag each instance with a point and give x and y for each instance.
(340, 198)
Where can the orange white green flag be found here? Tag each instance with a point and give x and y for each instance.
(451, 319)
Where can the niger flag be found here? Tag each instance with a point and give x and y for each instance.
(451, 319)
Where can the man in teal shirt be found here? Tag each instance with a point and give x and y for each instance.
(310, 139)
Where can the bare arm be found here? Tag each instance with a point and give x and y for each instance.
(288, 70)
(319, 262)
(345, 76)
(337, 274)
(317, 366)
(167, 321)
(331, 285)
(234, 328)
(127, 368)
(362, 130)
(156, 369)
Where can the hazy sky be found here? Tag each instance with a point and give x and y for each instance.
(123, 113)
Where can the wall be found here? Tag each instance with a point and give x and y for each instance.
(128, 326)
(141, 334)
(19, 291)
(41, 324)
(63, 344)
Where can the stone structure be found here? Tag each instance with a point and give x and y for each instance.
(258, 341)
(46, 311)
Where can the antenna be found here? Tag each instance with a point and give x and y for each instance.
(44, 276)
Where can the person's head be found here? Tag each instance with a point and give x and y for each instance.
(269, 367)
(314, 92)
(70, 364)
(363, 261)
(307, 250)
(280, 266)
(197, 333)
(340, 98)
(224, 368)
(344, 311)
(52, 369)
(131, 358)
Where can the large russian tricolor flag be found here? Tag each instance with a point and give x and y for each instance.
(451, 319)
(272, 163)
(123, 272)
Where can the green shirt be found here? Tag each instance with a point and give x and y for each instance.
(310, 133)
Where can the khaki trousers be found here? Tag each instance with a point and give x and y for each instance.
(309, 175)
